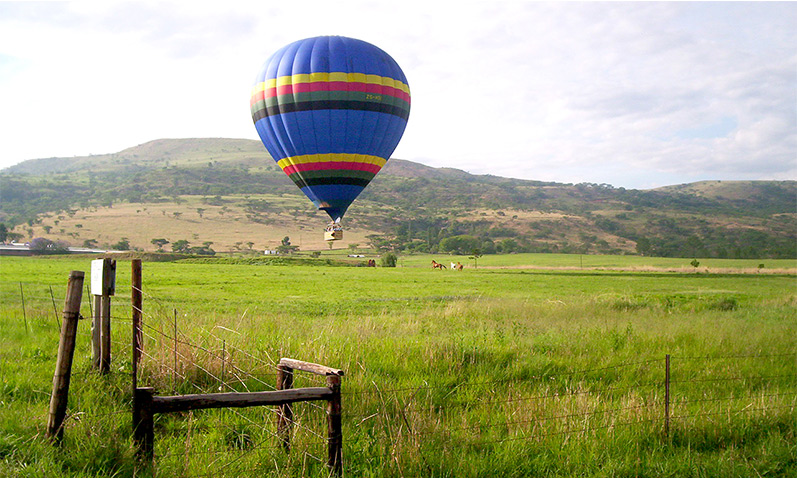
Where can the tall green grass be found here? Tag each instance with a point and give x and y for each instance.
(489, 372)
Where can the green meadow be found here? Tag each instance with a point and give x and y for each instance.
(519, 365)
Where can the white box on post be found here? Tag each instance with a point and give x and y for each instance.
(103, 277)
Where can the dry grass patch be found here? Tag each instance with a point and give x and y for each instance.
(227, 226)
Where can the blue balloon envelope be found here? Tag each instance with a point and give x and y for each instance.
(330, 110)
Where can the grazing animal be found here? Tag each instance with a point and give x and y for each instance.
(437, 265)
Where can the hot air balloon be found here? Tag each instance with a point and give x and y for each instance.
(330, 110)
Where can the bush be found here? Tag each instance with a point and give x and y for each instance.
(725, 304)
(41, 245)
(388, 260)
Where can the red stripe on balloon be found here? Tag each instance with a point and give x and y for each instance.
(258, 96)
(343, 165)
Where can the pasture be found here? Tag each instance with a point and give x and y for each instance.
(529, 365)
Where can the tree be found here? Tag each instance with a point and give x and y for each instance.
(160, 243)
(377, 242)
(643, 246)
(488, 246)
(475, 255)
(285, 246)
(182, 246)
(507, 246)
(459, 244)
(3, 232)
(13, 236)
(204, 250)
(90, 243)
(40, 245)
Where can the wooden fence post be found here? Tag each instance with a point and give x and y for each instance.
(144, 424)
(105, 335)
(96, 321)
(136, 301)
(285, 412)
(103, 278)
(334, 429)
(66, 352)
(667, 395)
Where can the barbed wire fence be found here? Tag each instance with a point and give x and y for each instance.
(389, 425)
(245, 439)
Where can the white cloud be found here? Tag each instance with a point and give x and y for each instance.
(634, 95)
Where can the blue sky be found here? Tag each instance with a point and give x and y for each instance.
(636, 95)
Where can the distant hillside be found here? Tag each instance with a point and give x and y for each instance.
(229, 193)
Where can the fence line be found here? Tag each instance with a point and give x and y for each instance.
(224, 361)
(222, 383)
(727, 399)
(721, 357)
(732, 379)
(555, 395)
(482, 426)
(744, 410)
(499, 381)
(225, 384)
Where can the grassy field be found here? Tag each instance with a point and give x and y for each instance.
(529, 365)
(588, 261)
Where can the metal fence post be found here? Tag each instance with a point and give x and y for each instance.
(667, 395)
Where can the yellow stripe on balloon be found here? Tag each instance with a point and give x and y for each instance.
(327, 77)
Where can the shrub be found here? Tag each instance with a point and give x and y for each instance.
(725, 304)
(41, 245)
(388, 260)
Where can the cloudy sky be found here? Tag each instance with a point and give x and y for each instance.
(636, 95)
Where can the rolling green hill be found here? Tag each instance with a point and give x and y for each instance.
(228, 193)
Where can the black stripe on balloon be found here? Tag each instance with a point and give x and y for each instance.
(300, 182)
(330, 105)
